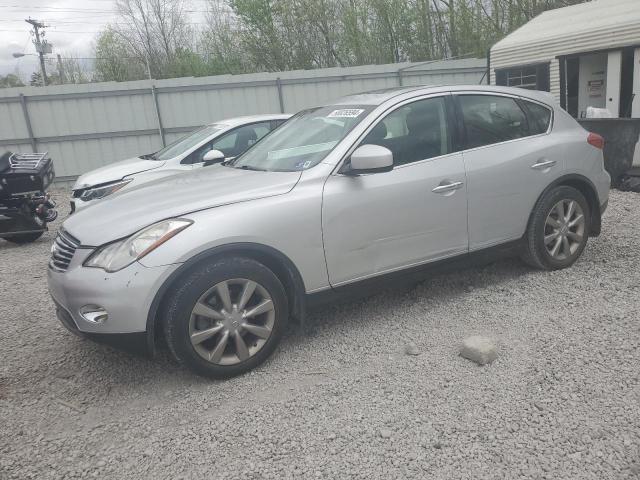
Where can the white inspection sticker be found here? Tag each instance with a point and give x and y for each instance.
(345, 113)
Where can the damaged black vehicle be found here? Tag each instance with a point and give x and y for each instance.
(25, 206)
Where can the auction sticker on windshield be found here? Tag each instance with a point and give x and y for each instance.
(345, 113)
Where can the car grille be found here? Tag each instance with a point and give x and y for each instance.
(62, 251)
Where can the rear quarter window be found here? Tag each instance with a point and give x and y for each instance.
(539, 117)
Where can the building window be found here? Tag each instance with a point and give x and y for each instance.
(532, 77)
(522, 77)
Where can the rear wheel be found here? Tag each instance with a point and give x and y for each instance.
(226, 318)
(24, 238)
(558, 230)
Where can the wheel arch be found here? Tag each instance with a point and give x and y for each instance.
(584, 186)
(273, 259)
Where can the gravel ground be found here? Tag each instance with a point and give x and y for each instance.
(342, 399)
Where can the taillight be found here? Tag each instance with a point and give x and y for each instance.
(595, 140)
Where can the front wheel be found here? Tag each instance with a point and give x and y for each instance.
(226, 317)
(558, 229)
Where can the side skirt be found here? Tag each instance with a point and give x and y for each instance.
(407, 277)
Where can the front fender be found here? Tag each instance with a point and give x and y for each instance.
(282, 223)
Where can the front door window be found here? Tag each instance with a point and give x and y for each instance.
(417, 131)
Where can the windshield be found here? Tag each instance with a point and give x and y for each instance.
(303, 141)
(185, 143)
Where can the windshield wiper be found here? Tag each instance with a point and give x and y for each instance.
(248, 167)
(148, 156)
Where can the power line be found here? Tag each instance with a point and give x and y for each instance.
(57, 31)
(22, 8)
(57, 21)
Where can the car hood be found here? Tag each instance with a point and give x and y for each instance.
(115, 171)
(132, 209)
(159, 173)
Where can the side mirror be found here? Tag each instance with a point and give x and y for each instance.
(212, 157)
(371, 159)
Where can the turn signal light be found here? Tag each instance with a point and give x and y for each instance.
(595, 140)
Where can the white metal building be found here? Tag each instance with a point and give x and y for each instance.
(585, 55)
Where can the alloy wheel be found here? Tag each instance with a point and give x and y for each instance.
(231, 321)
(564, 229)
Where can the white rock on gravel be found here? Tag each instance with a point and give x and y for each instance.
(411, 349)
(479, 349)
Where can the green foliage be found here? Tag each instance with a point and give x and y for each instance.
(277, 35)
(293, 34)
(36, 79)
(10, 80)
(113, 61)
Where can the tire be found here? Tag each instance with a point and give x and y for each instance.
(24, 238)
(548, 229)
(197, 308)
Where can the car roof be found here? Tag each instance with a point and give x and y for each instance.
(236, 121)
(378, 97)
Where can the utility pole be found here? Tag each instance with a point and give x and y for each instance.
(60, 70)
(40, 46)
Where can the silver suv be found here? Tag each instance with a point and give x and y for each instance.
(342, 195)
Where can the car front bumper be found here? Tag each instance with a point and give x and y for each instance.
(126, 296)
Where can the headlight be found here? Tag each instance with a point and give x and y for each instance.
(102, 191)
(117, 255)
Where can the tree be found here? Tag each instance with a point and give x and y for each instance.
(114, 60)
(153, 30)
(277, 35)
(36, 79)
(73, 71)
(261, 35)
(220, 43)
(10, 80)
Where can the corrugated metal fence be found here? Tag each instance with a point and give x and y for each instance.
(87, 126)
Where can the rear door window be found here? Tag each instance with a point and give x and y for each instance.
(492, 119)
(539, 117)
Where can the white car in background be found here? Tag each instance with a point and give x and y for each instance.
(208, 145)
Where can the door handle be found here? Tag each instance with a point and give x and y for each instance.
(543, 165)
(447, 187)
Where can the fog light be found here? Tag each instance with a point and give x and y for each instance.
(94, 314)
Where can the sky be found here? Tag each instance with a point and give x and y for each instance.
(72, 29)
(73, 26)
